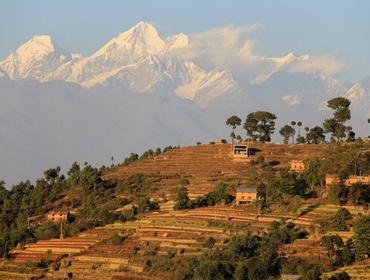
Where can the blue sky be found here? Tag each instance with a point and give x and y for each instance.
(335, 27)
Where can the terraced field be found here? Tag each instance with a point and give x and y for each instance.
(205, 165)
(320, 210)
(360, 271)
(183, 233)
(22, 261)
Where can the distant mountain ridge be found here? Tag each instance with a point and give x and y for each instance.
(140, 60)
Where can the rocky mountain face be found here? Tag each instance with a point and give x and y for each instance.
(136, 92)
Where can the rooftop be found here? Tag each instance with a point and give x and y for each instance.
(58, 212)
(246, 190)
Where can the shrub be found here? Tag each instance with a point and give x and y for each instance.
(340, 218)
(171, 254)
(129, 215)
(182, 199)
(43, 263)
(338, 221)
(340, 276)
(210, 242)
(150, 252)
(132, 158)
(135, 249)
(117, 240)
(184, 182)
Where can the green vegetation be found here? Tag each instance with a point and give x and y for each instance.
(338, 221)
(362, 237)
(313, 172)
(24, 200)
(219, 195)
(295, 266)
(147, 154)
(245, 256)
(339, 254)
(281, 187)
(340, 276)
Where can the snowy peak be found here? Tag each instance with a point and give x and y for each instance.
(129, 47)
(142, 39)
(34, 58)
(276, 64)
(177, 41)
(287, 59)
(41, 42)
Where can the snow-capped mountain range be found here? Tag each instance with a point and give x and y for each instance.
(140, 90)
(138, 60)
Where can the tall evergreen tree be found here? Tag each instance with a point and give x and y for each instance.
(336, 125)
(233, 121)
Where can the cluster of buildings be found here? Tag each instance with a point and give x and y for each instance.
(249, 195)
(298, 166)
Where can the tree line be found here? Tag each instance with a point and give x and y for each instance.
(260, 126)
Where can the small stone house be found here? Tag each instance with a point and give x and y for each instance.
(245, 195)
(241, 151)
(297, 166)
(58, 216)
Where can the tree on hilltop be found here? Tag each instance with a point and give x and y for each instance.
(287, 131)
(233, 121)
(336, 125)
(260, 125)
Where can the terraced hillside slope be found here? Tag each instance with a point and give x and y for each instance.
(205, 165)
